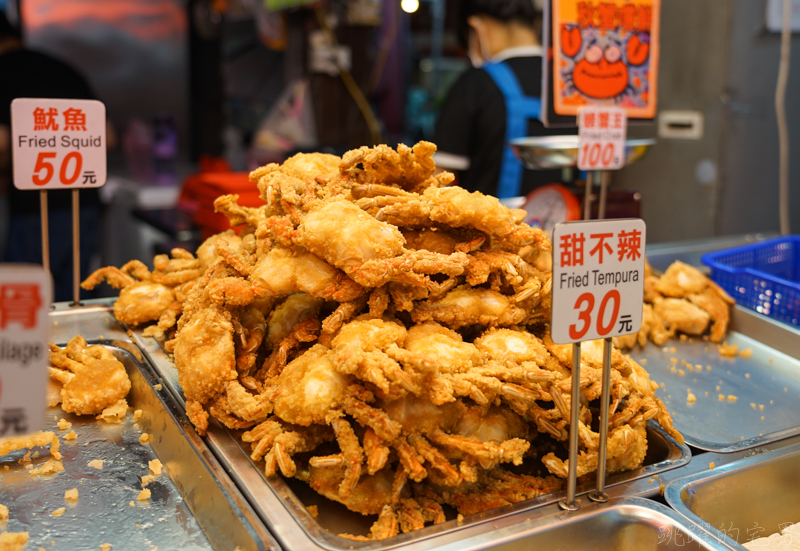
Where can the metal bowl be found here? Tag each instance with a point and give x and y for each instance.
(546, 152)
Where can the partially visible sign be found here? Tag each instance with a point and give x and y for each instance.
(58, 143)
(598, 279)
(601, 138)
(24, 333)
(775, 16)
(605, 53)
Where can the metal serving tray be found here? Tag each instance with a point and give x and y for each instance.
(193, 506)
(745, 499)
(621, 524)
(766, 385)
(282, 503)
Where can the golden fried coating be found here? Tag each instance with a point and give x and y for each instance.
(205, 357)
(92, 378)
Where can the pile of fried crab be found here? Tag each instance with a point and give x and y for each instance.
(383, 337)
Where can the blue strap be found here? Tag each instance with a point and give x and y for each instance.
(519, 109)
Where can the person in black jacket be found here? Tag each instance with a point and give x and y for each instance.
(29, 74)
(496, 101)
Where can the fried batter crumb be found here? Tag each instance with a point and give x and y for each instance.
(3, 513)
(132, 504)
(708, 368)
(13, 541)
(63, 424)
(137, 415)
(728, 350)
(460, 519)
(51, 467)
(681, 372)
(147, 479)
(643, 361)
(96, 464)
(59, 512)
(691, 398)
(313, 510)
(732, 398)
(144, 438)
(157, 387)
(70, 435)
(746, 353)
(661, 489)
(71, 495)
(753, 405)
(155, 467)
(144, 495)
(706, 393)
(711, 465)
(105, 547)
(721, 397)
(115, 413)
(746, 375)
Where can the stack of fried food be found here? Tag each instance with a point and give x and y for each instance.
(384, 337)
(681, 301)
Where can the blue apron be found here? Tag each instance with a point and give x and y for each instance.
(519, 109)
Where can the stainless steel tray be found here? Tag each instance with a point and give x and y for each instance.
(747, 498)
(766, 385)
(546, 152)
(193, 504)
(282, 504)
(620, 524)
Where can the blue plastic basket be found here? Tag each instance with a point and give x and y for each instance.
(763, 276)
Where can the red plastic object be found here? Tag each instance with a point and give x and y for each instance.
(201, 190)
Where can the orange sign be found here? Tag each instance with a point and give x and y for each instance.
(605, 54)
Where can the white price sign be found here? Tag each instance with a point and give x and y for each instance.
(601, 138)
(598, 279)
(58, 143)
(24, 357)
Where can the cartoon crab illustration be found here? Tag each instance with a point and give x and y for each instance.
(605, 65)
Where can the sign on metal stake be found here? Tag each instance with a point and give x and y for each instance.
(598, 291)
(59, 144)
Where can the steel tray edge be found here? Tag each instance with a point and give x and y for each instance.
(673, 491)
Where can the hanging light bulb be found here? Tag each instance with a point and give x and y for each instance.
(409, 6)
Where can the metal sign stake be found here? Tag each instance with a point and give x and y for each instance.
(76, 248)
(604, 176)
(45, 231)
(599, 494)
(568, 503)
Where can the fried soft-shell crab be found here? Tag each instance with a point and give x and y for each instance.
(383, 337)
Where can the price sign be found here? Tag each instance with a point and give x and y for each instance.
(598, 279)
(601, 138)
(24, 303)
(58, 143)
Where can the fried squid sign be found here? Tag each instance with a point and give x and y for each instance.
(24, 326)
(58, 143)
(598, 279)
